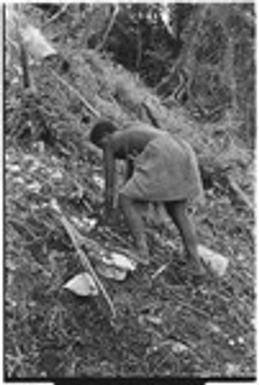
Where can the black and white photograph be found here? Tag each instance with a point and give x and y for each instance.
(129, 151)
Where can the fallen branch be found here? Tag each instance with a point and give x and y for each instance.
(75, 92)
(107, 231)
(109, 28)
(150, 114)
(56, 15)
(83, 258)
(234, 187)
(191, 307)
(220, 176)
(159, 271)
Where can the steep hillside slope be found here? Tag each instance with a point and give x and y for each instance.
(166, 323)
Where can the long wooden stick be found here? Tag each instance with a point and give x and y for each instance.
(83, 258)
(77, 93)
(109, 28)
(56, 15)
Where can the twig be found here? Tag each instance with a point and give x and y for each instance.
(56, 15)
(24, 226)
(153, 119)
(199, 311)
(109, 28)
(83, 258)
(139, 50)
(159, 271)
(240, 193)
(115, 236)
(166, 357)
(75, 92)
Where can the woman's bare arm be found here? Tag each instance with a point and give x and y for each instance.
(109, 167)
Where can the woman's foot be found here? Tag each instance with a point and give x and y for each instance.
(143, 256)
(196, 267)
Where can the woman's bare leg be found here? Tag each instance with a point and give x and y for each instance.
(135, 223)
(178, 212)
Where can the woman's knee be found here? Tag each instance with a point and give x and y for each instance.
(177, 209)
(123, 200)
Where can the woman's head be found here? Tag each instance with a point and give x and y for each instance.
(100, 131)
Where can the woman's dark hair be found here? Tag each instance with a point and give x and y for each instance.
(100, 129)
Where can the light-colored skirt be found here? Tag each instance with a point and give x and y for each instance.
(166, 170)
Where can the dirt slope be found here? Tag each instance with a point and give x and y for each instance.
(168, 325)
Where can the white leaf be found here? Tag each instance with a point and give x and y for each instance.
(154, 319)
(35, 165)
(178, 347)
(241, 340)
(214, 328)
(54, 205)
(232, 369)
(217, 262)
(120, 261)
(34, 187)
(57, 175)
(111, 272)
(99, 181)
(231, 342)
(13, 167)
(36, 43)
(82, 284)
(15, 81)
(19, 180)
(89, 223)
(76, 221)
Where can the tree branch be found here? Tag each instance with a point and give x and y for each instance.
(109, 28)
(88, 106)
(56, 15)
(83, 258)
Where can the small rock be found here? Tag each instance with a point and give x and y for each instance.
(179, 347)
(99, 181)
(231, 342)
(241, 340)
(34, 187)
(232, 369)
(214, 328)
(13, 167)
(154, 320)
(57, 175)
(240, 257)
(19, 180)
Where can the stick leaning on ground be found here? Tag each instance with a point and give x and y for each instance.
(83, 258)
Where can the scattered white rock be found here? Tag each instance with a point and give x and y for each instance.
(19, 180)
(13, 167)
(34, 187)
(99, 181)
(120, 261)
(57, 175)
(241, 340)
(179, 347)
(232, 369)
(89, 223)
(82, 285)
(214, 328)
(231, 342)
(111, 272)
(216, 262)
